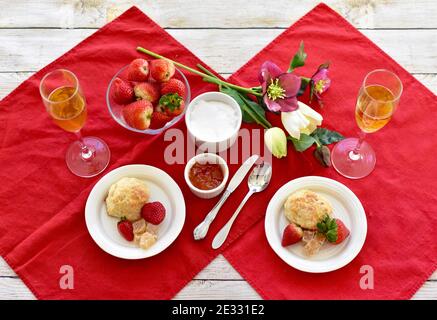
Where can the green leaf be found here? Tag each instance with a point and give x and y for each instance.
(331, 235)
(298, 59)
(328, 227)
(325, 136)
(321, 227)
(303, 143)
(303, 85)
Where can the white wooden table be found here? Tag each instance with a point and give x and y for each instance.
(224, 34)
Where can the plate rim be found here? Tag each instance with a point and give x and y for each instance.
(268, 225)
(101, 243)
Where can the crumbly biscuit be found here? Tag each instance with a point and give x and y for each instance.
(126, 197)
(306, 208)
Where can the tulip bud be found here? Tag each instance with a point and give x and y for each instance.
(276, 142)
(323, 155)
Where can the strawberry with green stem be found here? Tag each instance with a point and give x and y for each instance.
(334, 230)
(171, 104)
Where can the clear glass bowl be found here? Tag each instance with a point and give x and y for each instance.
(115, 109)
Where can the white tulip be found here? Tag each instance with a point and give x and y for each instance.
(276, 142)
(303, 120)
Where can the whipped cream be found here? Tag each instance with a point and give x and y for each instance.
(213, 120)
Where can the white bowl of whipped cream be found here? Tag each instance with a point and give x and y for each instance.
(213, 120)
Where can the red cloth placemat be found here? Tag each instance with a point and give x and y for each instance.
(398, 197)
(42, 204)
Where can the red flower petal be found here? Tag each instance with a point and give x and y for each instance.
(288, 104)
(290, 83)
(269, 71)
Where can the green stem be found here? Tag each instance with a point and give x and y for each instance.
(206, 71)
(212, 79)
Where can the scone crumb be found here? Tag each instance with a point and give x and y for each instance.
(139, 226)
(147, 240)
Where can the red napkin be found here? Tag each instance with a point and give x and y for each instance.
(398, 197)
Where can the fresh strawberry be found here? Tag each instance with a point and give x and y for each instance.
(334, 230)
(173, 86)
(153, 212)
(161, 70)
(159, 120)
(126, 229)
(147, 91)
(342, 231)
(171, 104)
(292, 234)
(138, 70)
(138, 114)
(122, 92)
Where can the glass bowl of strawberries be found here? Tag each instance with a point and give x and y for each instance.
(148, 96)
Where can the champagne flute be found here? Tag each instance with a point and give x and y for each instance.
(66, 104)
(377, 100)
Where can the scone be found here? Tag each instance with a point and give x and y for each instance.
(126, 197)
(306, 208)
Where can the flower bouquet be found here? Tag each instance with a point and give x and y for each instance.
(277, 93)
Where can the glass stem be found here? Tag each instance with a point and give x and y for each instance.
(86, 152)
(355, 154)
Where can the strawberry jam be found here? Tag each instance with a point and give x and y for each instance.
(206, 176)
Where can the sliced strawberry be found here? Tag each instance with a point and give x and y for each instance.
(292, 234)
(171, 104)
(138, 70)
(159, 120)
(162, 70)
(126, 229)
(147, 91)
(138, 114)
(173, 86)
(153, 212)
(122, 91)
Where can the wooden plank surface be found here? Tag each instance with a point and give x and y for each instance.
(33, 33)
(31, 49)
(217, 14)
(217, 281)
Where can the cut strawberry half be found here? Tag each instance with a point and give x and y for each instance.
(292, 234)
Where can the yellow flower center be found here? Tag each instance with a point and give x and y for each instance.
(320, 86)
(275, 91)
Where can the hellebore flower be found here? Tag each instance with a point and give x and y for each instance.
(276, 142)
(320, 82)
(279, 88)
(303, 120)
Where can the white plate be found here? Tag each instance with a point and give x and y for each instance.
(346, 207)
(103, 228)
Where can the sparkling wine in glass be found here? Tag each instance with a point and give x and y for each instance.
(66, 104)
(377, 100)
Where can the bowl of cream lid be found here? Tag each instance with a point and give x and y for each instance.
(213, 120)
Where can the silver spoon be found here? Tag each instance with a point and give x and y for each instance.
(258, 180)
